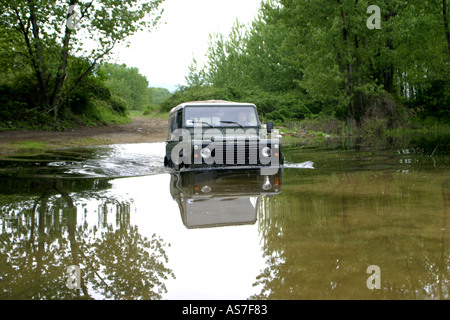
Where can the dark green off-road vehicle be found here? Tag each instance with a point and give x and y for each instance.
(221, 134)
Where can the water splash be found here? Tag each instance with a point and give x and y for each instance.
(303, 165)
(127, 160)
(113, 161)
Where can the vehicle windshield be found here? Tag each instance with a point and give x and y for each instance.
(220, 116)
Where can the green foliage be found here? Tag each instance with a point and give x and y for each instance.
(43, 54)
(184, 94)
(129, 84)
(304, 58)
(159, 94)
(433, 101)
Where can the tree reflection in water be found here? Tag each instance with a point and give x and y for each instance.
(322, 234)
(41, 237)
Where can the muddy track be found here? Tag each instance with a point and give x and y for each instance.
(140, 130)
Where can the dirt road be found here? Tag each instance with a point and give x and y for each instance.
(141, 130)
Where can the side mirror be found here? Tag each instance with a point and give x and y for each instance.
(269, 126)
(173, 127)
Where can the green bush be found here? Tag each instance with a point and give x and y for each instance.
(185, 94)
(150, 109)
(277, 107)
(432, 101)
(118, 105)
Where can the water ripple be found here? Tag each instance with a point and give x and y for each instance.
(303, 165)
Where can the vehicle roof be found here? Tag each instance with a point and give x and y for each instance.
(209, 103)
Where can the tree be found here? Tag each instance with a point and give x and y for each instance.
(446, 27)
(301, 57)
(129, 84)
(159, 95)
(52, 31)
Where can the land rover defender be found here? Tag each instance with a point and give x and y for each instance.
(220, 134)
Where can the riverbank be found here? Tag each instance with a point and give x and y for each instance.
(140, 130)
(146, 129)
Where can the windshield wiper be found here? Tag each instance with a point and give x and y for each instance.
(233, 122)
(204, 122)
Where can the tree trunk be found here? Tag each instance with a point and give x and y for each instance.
(38, 44)
(61, 75)
(35, 50)
(347, 64)
(446, 28)
(388, 73)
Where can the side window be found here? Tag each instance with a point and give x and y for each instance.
(171, 121)
(180, 118)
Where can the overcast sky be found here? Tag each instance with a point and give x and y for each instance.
(164, 55)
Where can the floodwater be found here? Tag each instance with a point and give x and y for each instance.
(335, 223)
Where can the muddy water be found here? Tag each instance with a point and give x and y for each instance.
(335, 223)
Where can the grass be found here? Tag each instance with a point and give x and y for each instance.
(37, 147)
(154, 113)
(432, 135)
(29, 145)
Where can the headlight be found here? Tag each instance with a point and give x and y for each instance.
(206, 153)
(267, 185)
(206, 189)
(266, 152)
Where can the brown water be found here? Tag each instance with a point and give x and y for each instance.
(135, 231)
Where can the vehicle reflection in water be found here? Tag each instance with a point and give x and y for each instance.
(213, 198)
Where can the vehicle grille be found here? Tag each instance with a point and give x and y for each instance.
(240, 153)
